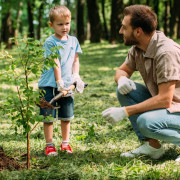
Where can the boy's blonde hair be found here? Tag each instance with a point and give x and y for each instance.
(59, 11)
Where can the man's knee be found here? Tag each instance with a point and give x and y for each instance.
(120, 97)
(145, 123)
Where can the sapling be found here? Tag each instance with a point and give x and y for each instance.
(21, 72)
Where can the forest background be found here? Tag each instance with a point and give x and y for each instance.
(91, 19)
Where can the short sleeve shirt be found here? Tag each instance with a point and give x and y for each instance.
(67, 53)
(159, 64)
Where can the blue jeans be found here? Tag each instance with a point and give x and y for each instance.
(156, 124)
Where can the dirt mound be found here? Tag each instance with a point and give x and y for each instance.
(7, 162)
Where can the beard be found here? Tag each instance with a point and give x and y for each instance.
(131, 40)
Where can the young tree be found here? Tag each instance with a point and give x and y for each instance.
(94, 19)
(20, 71)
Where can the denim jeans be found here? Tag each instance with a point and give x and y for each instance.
(156, 124)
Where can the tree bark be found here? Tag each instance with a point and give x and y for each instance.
(30, 19)
(178, 19)
(40, 20)
(156, 9)
(116, 18)
(94, 19)
(18, 21)
(6, 30)
(106, 34)
(80, 21)
(165, 19)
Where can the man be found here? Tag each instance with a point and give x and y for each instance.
(153, 109)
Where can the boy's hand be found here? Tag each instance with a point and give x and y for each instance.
(79, 83)
(125, 85)
(60, 86)
(114, 114)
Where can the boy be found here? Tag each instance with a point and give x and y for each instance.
(58, 79)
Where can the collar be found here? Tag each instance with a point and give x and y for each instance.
(152, 47)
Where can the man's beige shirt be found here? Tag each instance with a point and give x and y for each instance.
(159, 64)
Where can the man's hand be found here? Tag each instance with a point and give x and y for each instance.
(114, 114)
(79, 83)
(125, 85)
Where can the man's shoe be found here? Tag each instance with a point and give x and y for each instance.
(145, 149)
(50, 151)
(178, 159)
(67, 148)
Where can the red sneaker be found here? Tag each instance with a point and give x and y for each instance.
(50, 151)
(66, 147)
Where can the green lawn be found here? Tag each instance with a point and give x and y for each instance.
(97, 145)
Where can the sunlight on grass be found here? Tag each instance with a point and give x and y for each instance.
(104, 69)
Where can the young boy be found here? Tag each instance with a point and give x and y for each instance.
(58, 79)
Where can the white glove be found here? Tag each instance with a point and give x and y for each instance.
(60, 85)
(114, 114)
(79, 83)
(125, 85)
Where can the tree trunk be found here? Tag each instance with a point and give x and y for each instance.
(80, 21)
(18, 21)
(156, 9)
(30, 19)
(94, 20)
(116, 18)
(40, 20)
(106, 34)
(178, 19)
(6, 30)
(172, 19)
(147, 2)
(28, 151)
(165, 19)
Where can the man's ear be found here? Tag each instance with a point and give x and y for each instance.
(138, 31)
(51, 25)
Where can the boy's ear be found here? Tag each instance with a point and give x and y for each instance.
(51, 25)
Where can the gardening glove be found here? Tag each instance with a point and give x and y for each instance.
(60, 86)
(114, 114)
(79, 83)
(125, 85)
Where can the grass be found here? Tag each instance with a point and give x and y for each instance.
(97, 145)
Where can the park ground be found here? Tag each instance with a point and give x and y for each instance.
(96, 144)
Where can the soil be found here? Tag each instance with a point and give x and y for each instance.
(44, 104)
(7, 162)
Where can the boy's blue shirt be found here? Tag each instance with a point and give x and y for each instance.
(69, 48)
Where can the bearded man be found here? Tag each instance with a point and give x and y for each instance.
(154, 108)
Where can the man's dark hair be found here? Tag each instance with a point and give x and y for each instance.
(142, 16)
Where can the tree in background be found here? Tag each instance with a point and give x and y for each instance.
(80, 21)
(30, 7)
(94, 20)
(105, 29)
(116, 18)
(6, 23)
(40, 16)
